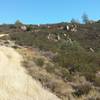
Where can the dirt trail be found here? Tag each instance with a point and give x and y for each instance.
(3, 35)
(15, 83)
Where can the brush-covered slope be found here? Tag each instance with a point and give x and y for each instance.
(64, 57)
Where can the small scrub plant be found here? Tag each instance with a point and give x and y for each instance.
(97, 81)
(29, 28)
(66, 74)
(89, 76)
(50, 68)
(70, 45)
(39, 62)
(18, 23)
(82, 89)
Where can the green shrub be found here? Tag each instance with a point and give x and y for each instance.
(39, 61)
(70, 45)
(18, 23)
(29, 28)
(82, 89)
(97, 81)
(50, 68)
(66, 74)
(90, 76)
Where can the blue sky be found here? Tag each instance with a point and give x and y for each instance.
(47, 11)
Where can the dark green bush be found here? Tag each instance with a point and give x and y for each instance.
(39, 61)
(29, 28)
(90, 76)
(97, 81)
(82, 89)
(50, 68)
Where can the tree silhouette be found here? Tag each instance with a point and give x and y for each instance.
(85, 18)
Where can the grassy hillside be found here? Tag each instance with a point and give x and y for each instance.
(64, 57)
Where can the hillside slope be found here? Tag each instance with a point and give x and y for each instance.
(15, 83)
(63, 57)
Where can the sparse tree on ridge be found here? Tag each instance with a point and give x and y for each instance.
(18, 23)
(74, 21)
(85, 18)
